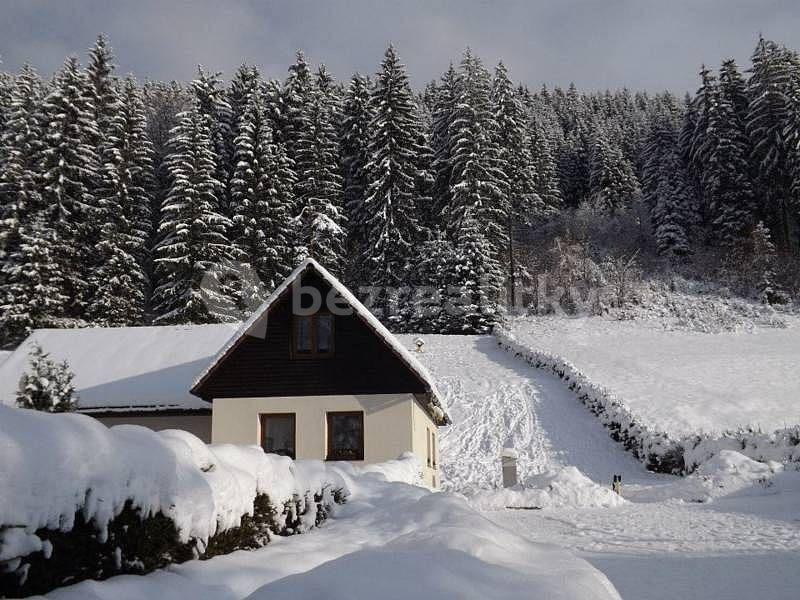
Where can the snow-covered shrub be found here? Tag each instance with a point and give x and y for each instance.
(48, 385)
(79, 500)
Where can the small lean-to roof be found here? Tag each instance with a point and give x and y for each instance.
(257, 324)
(123, 369)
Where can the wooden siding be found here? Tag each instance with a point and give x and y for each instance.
(362, 363)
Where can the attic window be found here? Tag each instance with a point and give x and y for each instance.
(312, 336)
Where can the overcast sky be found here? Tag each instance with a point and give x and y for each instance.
(596, 43)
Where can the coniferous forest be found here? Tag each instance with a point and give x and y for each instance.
(125, 202)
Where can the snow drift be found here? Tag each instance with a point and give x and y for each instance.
(560, 488)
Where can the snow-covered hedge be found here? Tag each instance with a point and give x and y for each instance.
(79, 500)
(655, 448)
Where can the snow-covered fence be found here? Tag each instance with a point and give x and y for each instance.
(79, 500)
(655, 448)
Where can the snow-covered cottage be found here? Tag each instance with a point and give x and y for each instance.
(311, 374)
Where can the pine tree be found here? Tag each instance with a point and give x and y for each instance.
(193, 229)
(545, 170)
(390, 207)
(69, 166)
(31, 281)
(102, 85)
(477, 279)
(124, 199)
(768, 122)
(356, 118)
(516, 163)
(613, 185)
(445, 99)
(297, 94)
(478, 188)
(213, 103)
(48, 385)
(725, 179)
(320, 218)
(262, 196)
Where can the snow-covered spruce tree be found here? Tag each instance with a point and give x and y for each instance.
(30, 280)
(574, 168)
(613, 187)
(193, 230)
(47, 386)
(320, 217)
(20, 143)
(69, 166)
(478, 280)
(768, 122)
(435, 283)
(213, 103)
(261, 193)
(725, 178)
(666, 189)
(102, 85)
(444, 105)
(390, 222)
(545, 170)
(297, 94)
(245, 82)
(478, 188)
(124, 200)
(354, 133)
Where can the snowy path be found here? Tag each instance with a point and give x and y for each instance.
(654, 547)
(496, 400)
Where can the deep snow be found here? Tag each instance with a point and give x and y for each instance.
(729, 531)
(677, 381)
(391, 540)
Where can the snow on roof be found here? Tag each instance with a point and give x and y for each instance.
(255, 325)
(124, 368)
(4, 354)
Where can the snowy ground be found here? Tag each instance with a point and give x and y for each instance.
(682, 381)
(743, 539)
(391, 540)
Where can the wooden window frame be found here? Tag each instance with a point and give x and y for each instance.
(428, 440)
(314, 353)
(344, 413)
(262, 418)
(433, 448)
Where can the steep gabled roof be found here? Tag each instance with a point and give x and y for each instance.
(258, 322)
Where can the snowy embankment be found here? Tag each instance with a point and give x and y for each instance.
(669, 388)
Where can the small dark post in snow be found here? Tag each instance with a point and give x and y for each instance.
(420, 343)
(509, 462)
(616, 485)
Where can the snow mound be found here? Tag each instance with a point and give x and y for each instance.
(561, 488)
(449, 551)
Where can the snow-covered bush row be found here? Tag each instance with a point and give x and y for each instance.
(657, 449)
(80, 500)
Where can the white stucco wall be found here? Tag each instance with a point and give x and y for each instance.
(393, 424)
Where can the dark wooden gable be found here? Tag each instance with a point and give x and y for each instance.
(362, 362)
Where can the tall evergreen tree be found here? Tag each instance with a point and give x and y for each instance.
(725, 178)
(517, 165)
(390, 207)
(193, 229)
(441, 129)
(478, 188)
(356, 119)
(262, 196)
(30, 280)
(124, 200)
(102, 85)
(613, 185)
(320, 215)
(213, 103)
(768, 121)
(69, 165)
